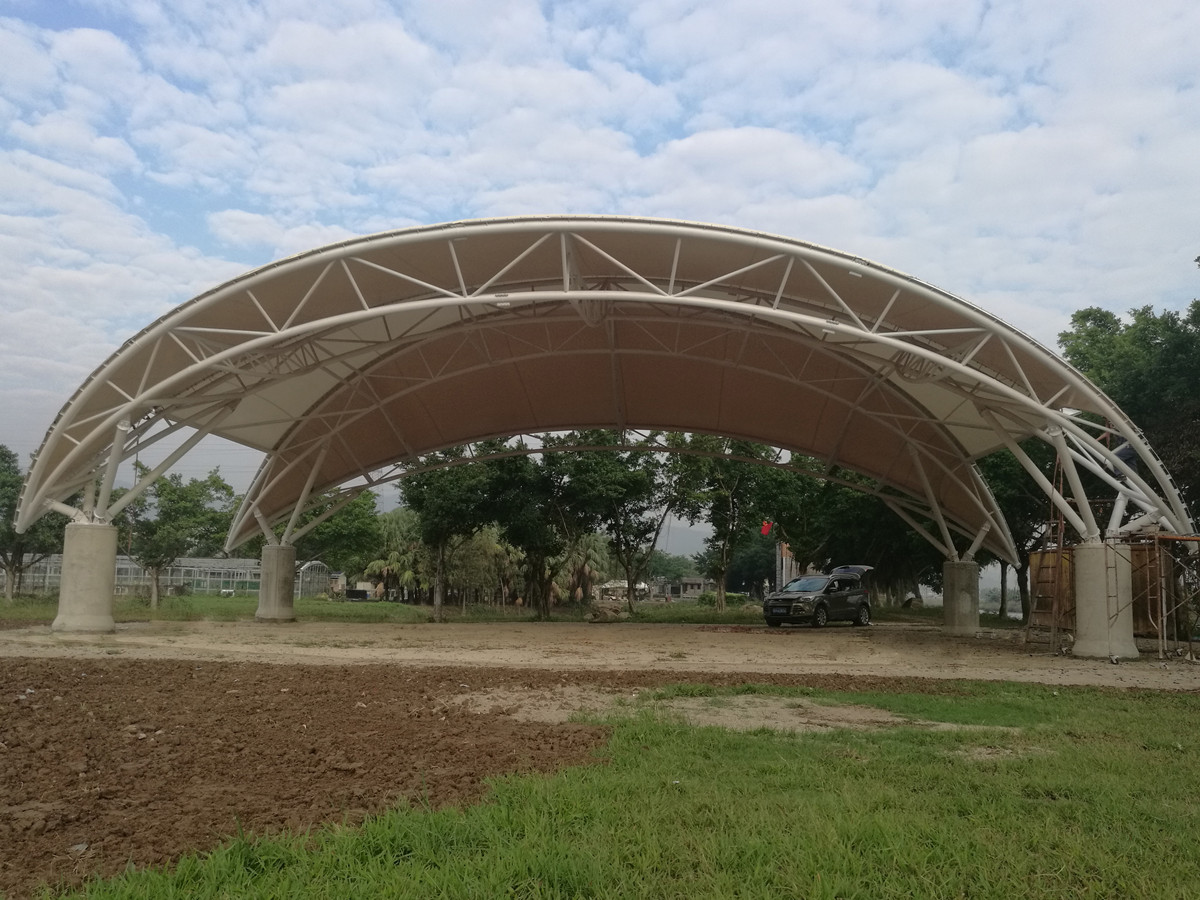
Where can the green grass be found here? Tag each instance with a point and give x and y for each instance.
(654, 613)
(28, 609)
(196, 607)
(208, 607)
(1072, 793)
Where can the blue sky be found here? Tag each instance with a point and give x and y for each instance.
(1032, 157)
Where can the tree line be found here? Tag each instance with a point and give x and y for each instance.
(546, 523)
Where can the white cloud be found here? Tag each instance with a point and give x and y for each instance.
(510, 32)
(28, 71)
(362, 51)
(70, 138)
(238, 227)
(96, 62)
(1032, 157)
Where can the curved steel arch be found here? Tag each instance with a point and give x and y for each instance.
(347, 362)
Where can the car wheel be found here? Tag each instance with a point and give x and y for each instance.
(819, 617)
(864, 615)
(771, 624)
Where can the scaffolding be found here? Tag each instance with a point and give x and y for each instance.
(1166, 592)
(1051, 587)
(1165, 575)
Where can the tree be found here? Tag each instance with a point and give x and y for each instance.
(626, 492)
(720, 479)
(346, 541)
(587, 562)
(1025, 506)
(672, 567)
(450, 502)
(479, 566)
(829, 523)
(526, 499)
(20, 551)
(397, 564)
(752, 565)
(174, 518)
(1150, 366)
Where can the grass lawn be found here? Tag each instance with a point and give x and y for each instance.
(197, 607)
(1041, 792)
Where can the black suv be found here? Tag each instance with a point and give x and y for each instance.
(817, 599)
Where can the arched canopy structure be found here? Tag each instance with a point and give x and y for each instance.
(345, 361)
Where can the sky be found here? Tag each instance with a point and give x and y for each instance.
(1032, 157)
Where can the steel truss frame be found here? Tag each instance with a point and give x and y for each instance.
(348, 364)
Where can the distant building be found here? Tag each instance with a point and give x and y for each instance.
(619, 590)
(222, 577)
(689, 587)
(786, 567)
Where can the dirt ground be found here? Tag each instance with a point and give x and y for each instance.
(136, 747)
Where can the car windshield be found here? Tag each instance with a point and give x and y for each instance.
(807, 583)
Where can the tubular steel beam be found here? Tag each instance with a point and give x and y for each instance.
(876, 348)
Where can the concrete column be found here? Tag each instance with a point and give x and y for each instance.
(276, 584)
(1103, 601)
(89, 575)
(960, 596)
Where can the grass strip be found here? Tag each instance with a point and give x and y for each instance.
(208, 607)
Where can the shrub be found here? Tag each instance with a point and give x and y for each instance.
(709, 598)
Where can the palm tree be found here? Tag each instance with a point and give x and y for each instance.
(399, 566)
(587, 562)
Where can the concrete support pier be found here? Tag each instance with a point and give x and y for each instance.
(1103, 601)
(960, 596)
(277, 584)
(89, 575)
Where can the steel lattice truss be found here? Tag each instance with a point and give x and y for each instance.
(346, 364)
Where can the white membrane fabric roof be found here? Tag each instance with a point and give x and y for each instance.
(347, 362)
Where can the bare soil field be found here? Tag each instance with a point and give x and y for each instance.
(137, 747)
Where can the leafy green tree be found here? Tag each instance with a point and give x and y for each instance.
(479, 566)
(752, 564)
(1150, 366)
(534, 502)
(720, 479)
(451, 503)
(672, 567)
(827, 524)
(507, 568)
(346, 541)
(398, 563)
(20, 551)
(173, 519)
(627, 492)
(527, 500)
